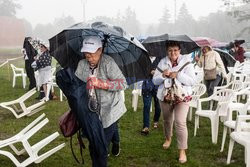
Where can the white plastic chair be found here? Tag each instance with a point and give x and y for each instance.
(198, 91)
(135, 94)
(31, 150)
(224, 98)
(18, 72)
(230, 123)
(241, 137)
(235, 86)
(24, 110)
(51, 85)
(199, 74)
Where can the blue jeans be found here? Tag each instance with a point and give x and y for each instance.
(147, 99)
(112, 134)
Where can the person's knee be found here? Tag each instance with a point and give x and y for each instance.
(180, 124)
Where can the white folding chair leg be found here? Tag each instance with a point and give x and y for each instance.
(211, 104)
(14, 81)
(49, 153)
(11, 157)
(247, 156)
(196, 121)
(135, 99)
(135, 102)
(49, 88)
(151, 107)
(17, 152)
(190, 113)
(223, 138)
(230, 150)
(214, 129)
(61, 95)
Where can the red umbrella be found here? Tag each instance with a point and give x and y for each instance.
(205, 41)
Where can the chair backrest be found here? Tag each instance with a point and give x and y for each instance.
(198, 89)
(225, 97)
(199, 73)
(239, 119)
(239, 76)
(13, 68)
(245, 108)
(245, 84)
(53, 70)
(237, 85)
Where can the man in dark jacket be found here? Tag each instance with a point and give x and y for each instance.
(29, 53)
(149, 90)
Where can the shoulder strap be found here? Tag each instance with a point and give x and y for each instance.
(82, 146)
(178, 70)
(184, 66)
(159, 69)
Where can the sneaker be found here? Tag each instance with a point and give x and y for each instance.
(115, 149)
(145, 131)
(155, 125)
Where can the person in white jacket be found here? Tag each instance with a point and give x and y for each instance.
(176, 112)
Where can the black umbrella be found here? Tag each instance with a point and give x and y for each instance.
(239, 41)
(128, 52)
(156, 45)
(228, 60)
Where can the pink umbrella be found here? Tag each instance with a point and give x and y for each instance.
(205, 41)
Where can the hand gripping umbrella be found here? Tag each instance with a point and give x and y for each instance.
(129, 54)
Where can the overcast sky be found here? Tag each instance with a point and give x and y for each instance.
(148, 11)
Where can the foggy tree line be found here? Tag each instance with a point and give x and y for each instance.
(222, 26)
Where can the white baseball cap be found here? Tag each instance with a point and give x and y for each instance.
(91, 44)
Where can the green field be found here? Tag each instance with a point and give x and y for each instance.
(137, 150)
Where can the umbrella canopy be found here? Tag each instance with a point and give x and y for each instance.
(228, 60)
(205, 41)
(156, 45)
(129, 54)
(239, 41)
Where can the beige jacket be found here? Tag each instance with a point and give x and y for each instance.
(213, 60)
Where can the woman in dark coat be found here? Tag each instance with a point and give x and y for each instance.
(29, 53)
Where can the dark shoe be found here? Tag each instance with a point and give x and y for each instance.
(115, 149)
(41, 96)
(145, 131)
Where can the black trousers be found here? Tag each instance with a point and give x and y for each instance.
(30, 74)
(210, 84)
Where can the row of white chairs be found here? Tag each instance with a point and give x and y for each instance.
(228, 100)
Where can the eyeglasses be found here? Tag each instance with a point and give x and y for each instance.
(173, 50)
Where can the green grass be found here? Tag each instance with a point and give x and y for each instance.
(10, 51)
(137, 150)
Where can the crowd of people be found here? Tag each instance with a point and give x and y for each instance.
(101, 74)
